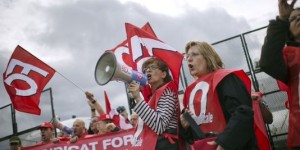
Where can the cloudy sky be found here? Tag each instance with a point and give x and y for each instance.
(71, 35)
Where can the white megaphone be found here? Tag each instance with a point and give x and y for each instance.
(108, 69)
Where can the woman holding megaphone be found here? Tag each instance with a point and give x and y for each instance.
(157, 128)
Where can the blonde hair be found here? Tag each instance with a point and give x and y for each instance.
(212, 58)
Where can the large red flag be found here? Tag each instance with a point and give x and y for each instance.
(24, 79)
(143, 45)
(121, 51)
(123, 56)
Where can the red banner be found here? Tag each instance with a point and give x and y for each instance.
(24, 79)
(111, 141)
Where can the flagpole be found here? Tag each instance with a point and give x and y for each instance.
(71, 82)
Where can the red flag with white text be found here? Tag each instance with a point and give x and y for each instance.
(122, 52)
(24, 79)
(123, 56)
(143, 45)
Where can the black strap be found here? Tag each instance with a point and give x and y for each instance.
(195, 128)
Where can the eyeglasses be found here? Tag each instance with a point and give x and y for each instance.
(293, 18)
(186, 56)
(151, 68)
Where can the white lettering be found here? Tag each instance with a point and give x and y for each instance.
(127, 139)
(106, 143)
(25, 71)
(150, 44)
(202, 118)
(73, 147)
(117, 142)
(84, 147)
(93, 144)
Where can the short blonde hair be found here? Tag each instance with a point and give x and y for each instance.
(212, 58)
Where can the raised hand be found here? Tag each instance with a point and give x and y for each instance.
(285, 9)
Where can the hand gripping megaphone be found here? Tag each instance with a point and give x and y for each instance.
(108, 69)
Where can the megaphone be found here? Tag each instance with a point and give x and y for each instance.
(108, 69)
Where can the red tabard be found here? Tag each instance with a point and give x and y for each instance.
(292, 58)
(201, 98)
(148, 138)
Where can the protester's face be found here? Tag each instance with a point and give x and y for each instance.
(196, 62)
(154, 75)
(133, 120)
(101, 126)
(46, 134)
(78, 128)
(94, 126)
(295, 24)
(15, 146)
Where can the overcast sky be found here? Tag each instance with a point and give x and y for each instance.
(71, 35)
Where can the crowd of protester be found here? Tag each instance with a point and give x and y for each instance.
(220, 117)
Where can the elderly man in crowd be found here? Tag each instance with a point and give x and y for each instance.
(79, 130)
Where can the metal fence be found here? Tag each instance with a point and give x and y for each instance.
(25, 125)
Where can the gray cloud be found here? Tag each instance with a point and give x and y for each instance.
(71, 36)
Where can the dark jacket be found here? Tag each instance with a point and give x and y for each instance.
(272, 61)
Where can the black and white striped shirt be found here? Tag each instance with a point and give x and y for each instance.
(165, 115)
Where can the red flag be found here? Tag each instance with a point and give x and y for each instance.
(123, 55)
(24, 79)
(143, 45)
(122, 52)
(118, 120)
(107, 103)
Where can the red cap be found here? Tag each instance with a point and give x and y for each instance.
(46, 125)
(104, 117)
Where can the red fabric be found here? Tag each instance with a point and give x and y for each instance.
(213, 105)
(292, 57)
(260, 127)
(143, 45)
(107, 103)
(24, 79)
(110, 141)
(121, 51)
(123, 56)
(170, 137)
(201, 94)
(202, 144)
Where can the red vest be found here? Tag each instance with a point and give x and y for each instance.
(145, 137)
(292, 59)
(201, 98)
